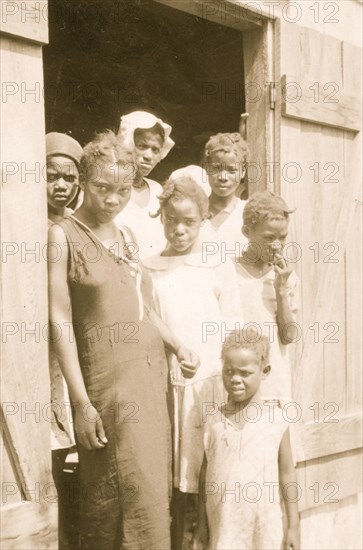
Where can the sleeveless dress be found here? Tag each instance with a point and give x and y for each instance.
(196, 298)
(242, 481)
(124, 486)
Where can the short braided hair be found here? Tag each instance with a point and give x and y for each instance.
(104, 149)
(264, 205)
(224, 143)
(183, 188)
(248, 338)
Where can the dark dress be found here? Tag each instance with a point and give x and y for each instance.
(124, 487)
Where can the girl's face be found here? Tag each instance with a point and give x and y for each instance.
(62, 181)
(224, 173)
(242, 374)
(107, 191)
(264, 236)
(147, 151)
(182, 222)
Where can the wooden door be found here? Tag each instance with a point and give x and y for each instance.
(318, 123)
(28, 498)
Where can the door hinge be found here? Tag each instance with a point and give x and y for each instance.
(272, 87)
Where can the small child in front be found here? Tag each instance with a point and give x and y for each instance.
(196, 297)
(247, 459)
(269, 287)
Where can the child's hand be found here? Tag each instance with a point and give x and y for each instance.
(89, 428)
(282, 271)
(200, 538)
(292, 539)
(189, 362)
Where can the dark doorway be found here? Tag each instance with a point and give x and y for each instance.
(110, 57)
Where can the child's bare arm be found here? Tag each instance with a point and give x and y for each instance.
(189, 361)
(201, 535)
(88, 424)
(285, 317)
(287, 475)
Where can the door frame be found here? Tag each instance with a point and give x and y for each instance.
(259, 75)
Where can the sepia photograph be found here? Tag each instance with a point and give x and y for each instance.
(181, 275)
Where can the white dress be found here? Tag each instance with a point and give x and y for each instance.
(242, 491)
(148, 231)
(258, 297)
(198, 300)
(227, 225)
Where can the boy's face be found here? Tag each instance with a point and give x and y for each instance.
(108, 191)
(147, 152)
(182, 222)
(265, 236)
(242, 374)
(62, 181)
(224, 173)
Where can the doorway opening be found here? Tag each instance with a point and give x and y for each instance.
(108, 58)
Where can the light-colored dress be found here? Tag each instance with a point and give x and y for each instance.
(242, 491)
(197, 299)
(258, 297)
(227, 225)
(148, 231)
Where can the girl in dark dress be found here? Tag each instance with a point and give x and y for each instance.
(110, 346)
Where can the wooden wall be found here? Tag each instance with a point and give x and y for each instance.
(28, 506)
(320, 133)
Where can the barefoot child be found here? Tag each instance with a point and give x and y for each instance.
(247, 456)
(195, 296)
(268, 286)
(225, 159)
(146, 138)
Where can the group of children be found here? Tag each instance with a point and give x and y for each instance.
(235, 310)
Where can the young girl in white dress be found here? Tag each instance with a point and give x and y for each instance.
(247, 459)
(147, 139)
(197, 297)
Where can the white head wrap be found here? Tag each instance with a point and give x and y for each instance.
(196, 173)
(145, 121)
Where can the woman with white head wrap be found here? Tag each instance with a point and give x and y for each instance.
(147, 138)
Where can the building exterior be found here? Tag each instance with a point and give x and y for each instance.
(302, 72)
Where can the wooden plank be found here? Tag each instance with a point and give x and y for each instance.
(29, 525)
(258, 107)
(331, 436)
(353, 288)
(333, 526)
(25, 20)
(332, 329)
(225, 12)
(320, 102)
(352, 67)
(25, 388)
(301, 145)
(329, 480)
(327, 287)
(352, 79)
(9, 478)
